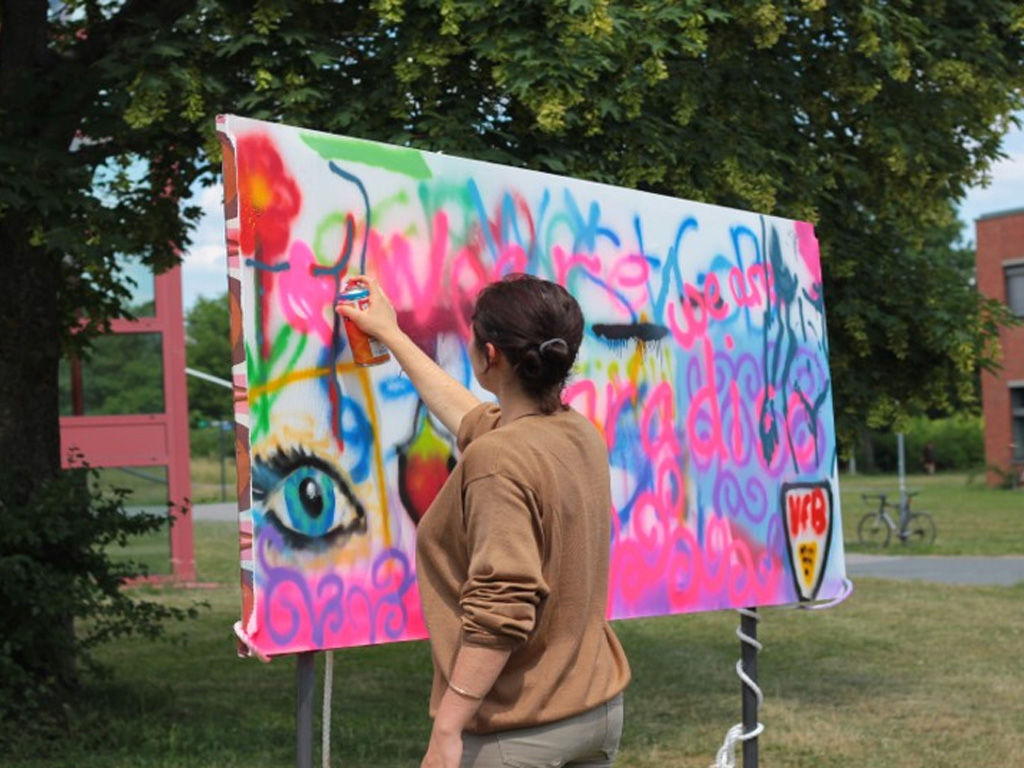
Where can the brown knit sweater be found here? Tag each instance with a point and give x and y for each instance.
(513, 553)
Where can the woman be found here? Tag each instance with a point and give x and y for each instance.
(512, 556)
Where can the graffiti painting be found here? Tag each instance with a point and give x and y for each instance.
(704, 365)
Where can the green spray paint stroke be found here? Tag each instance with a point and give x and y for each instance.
(261, 371)
(408, 162)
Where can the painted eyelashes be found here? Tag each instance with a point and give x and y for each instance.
(306, 499)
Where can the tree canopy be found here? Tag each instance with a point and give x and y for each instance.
(867, 118)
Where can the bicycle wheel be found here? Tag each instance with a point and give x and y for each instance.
(920, 530)
(872, 531)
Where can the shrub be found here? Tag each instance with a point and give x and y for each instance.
(211, 438)
(958, 441)
(62, 591)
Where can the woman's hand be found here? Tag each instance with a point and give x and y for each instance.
(446, 398)
(379, 319)
(443, 751)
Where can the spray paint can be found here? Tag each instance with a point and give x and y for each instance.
(366, 350)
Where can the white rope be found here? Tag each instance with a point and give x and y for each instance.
(751, 641)
(726, 757)
(845, 593)
(325, 725)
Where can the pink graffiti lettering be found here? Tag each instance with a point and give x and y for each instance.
(807, 243)
(394, 266)
(565, 263)
(698, 307)
(704, 419)
(751, 288)
(657, 424)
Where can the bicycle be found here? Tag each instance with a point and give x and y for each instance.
(876, 528)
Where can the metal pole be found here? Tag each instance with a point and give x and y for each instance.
(220, 445)
(78, 394)
(748, 657)
(903, 481)
(305, 678)
(212, 379)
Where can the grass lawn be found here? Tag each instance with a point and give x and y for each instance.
(901, 674)
(971, 518)
(213, 480)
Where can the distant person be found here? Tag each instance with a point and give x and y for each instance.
(928, 458)
(512, 556)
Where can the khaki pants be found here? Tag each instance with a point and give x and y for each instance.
(589, 740)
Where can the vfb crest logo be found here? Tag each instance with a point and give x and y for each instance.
(808, 514)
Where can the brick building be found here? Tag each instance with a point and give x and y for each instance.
(1000, 262)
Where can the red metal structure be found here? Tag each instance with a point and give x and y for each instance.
(149, 439)
(1000, 265)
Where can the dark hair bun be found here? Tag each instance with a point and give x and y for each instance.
(538, 326)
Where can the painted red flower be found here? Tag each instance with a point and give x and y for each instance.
(269, 198)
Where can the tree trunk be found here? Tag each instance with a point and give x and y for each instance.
(30, 354)
(30, 321)
(868, 445)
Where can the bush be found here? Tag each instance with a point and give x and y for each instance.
(958, 441)
(208, 440)
(62, 591)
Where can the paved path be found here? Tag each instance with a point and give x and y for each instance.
(962, 569)
(224, 512)
(1001, 571)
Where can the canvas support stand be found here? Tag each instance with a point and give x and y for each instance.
(305, 684)
(751, 692)
(749, 729)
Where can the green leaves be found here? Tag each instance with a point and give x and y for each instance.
(208, 347)
(56, 567)
(868, 118)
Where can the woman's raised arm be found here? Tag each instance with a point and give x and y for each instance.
(446, 398)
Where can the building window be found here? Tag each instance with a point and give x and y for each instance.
(1015, 288)
(1017, 415)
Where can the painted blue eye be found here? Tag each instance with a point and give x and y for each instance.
(310, 501)
(307, 500)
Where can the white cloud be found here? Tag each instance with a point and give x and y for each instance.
(210, 198)
(1005, 188)
(1004, 192)
(204, 272)
(206, 258)
(1010, 170)
(204, 264)
(209, 285)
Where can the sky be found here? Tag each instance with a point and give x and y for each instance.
(204, 272)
